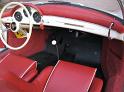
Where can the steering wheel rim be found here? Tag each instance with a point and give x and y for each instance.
(30, 26)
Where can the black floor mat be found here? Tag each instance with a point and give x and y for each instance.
(44, 59)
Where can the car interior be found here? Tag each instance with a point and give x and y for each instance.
(55, 51)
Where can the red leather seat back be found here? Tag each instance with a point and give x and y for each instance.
(21, 66)
(69, 77)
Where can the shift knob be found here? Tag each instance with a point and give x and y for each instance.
(54, 42)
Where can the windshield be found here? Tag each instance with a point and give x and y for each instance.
(110, 6)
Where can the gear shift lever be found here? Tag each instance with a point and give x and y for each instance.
(54, 42)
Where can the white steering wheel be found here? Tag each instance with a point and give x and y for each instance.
(17, 25)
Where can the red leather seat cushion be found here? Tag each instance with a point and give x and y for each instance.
(96, 85)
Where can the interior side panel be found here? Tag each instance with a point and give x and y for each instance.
(117, 47)
(35, 45)
(113, 64)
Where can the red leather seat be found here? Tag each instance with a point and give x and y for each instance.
(43, 77)
(80, 75)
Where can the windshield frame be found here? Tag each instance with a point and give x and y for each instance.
(122, 7)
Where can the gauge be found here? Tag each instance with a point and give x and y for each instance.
(18, 16)
(36, 17)
(29, 9)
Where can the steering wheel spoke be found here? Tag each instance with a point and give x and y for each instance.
(7, 20)
(4, 28)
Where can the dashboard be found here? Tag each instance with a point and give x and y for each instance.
(21, 16)
(57, 15)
